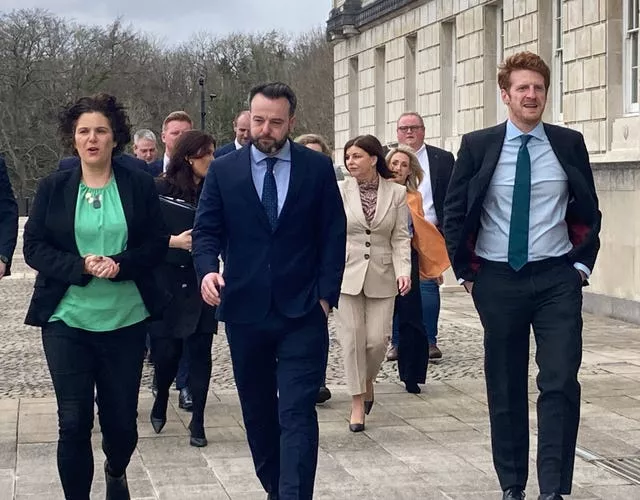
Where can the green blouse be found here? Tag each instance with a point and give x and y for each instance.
(101, 229)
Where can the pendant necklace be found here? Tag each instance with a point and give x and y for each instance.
(94, 200)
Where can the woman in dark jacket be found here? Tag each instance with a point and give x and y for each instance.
(94, 235)
(188, 321)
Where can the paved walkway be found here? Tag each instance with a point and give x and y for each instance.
(429, 446)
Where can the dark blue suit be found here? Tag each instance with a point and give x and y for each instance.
(276, 329)
(8, 217)
(128, 160)
(224, 150)
(156, 167)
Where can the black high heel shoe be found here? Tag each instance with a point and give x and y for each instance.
(357, 427)
(198, 437)
(158, 415)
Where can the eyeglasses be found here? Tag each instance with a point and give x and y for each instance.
(410, 128)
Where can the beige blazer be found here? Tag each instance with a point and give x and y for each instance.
(379, 254)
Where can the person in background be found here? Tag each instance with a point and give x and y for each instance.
(176, 123)
(437, 165)
(187, 322)
(428, 260)
(145, 146)
(378, 267)
(242, 131)
(320, 144)
(8, 221)
(95, 235)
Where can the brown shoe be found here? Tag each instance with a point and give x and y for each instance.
(392, 353)
(434, 352)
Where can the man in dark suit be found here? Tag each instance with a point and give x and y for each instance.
(241, 128)
(173, 126)
(437, 165)
(8, 221)
(275, 210)
(521, 221)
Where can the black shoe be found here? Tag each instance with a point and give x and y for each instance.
(158, 416)
(117, 487)
(412, 387)
(356, 427)
(324, 395)
(549, 496)
(198, 437)
(184, 399)
(514, 493)
(154, 385)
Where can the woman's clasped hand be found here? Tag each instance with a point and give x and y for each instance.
(101, 267)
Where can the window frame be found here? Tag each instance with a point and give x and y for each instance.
(631, 55)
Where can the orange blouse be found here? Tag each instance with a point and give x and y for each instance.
(427, 240)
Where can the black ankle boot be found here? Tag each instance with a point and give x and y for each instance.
(117, 487)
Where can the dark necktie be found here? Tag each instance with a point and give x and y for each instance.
(519, 224)
(270, 193)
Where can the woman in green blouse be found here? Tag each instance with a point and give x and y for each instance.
(94, 236)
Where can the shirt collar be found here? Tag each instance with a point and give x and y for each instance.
(238, 145)
(514, 132)
(422, 148)
(284, 154)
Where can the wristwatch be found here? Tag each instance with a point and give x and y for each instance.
(4, 259)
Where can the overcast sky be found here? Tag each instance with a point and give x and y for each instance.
(176, 20)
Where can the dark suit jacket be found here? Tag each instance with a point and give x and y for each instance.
(156, 167)
(230, 147)
(187, 313)
(131, 161)
(440, 168)
(291, 268)
(474, 168)
(8, 217)
(50, 245)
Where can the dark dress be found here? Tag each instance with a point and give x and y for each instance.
(188, 323)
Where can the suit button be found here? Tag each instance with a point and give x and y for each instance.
(367, 244)
(366, 255)
(368, 231)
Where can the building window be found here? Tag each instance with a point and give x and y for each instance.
(448, 76)
(410, 73)
(558, 66)
(380, 92)
(354, 98)
(630, 22)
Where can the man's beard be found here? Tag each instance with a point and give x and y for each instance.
(272, 148)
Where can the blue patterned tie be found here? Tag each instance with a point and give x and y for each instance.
(270, 193)
(519, 224)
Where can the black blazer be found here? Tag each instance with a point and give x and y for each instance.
(50, 245)
(474, 168)
(71, 162)
(187, 313)
(291, 268)
(8, 217)
(440, 168)
(155, 168)
(230, 147)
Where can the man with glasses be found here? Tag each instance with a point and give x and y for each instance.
(437, 165)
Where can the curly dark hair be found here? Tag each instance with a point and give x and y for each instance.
(372, 146)
(98, 103)
(191, 144)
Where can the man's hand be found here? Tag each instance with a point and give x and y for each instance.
(404, 285)
(3, 269)
(325, 307)
(212, 285)
(468, 286)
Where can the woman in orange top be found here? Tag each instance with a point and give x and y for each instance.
(429, 260)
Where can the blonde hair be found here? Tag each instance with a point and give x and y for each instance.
(416, 174)
(176, 116)
(314, 139)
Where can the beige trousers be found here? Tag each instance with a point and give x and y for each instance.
(364, 326)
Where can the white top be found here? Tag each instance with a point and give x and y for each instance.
(425, 187)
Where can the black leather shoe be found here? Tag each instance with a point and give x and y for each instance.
(117, 487)
(549, 496)
(157, 423)
(515, 493)
(412, 387)
(356, 427)
(184, 399)
(198, 437)
(324, 395)
(158, 415)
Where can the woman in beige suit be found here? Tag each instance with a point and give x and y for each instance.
(378, 266)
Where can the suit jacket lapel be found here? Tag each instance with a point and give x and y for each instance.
(296, 178)
(385, 197)
(70, 200)
(433, 157)
(248, 188)
(494, 142)
(352, 200)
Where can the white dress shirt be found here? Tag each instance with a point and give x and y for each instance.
(425, 187)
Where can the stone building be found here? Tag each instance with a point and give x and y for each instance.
(440, 57)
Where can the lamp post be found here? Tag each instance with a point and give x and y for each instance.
(203, 109)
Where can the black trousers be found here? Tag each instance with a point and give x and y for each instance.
(413, 346)
(167, 353)
(110, 362)
(545, 295)
(279, 365)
